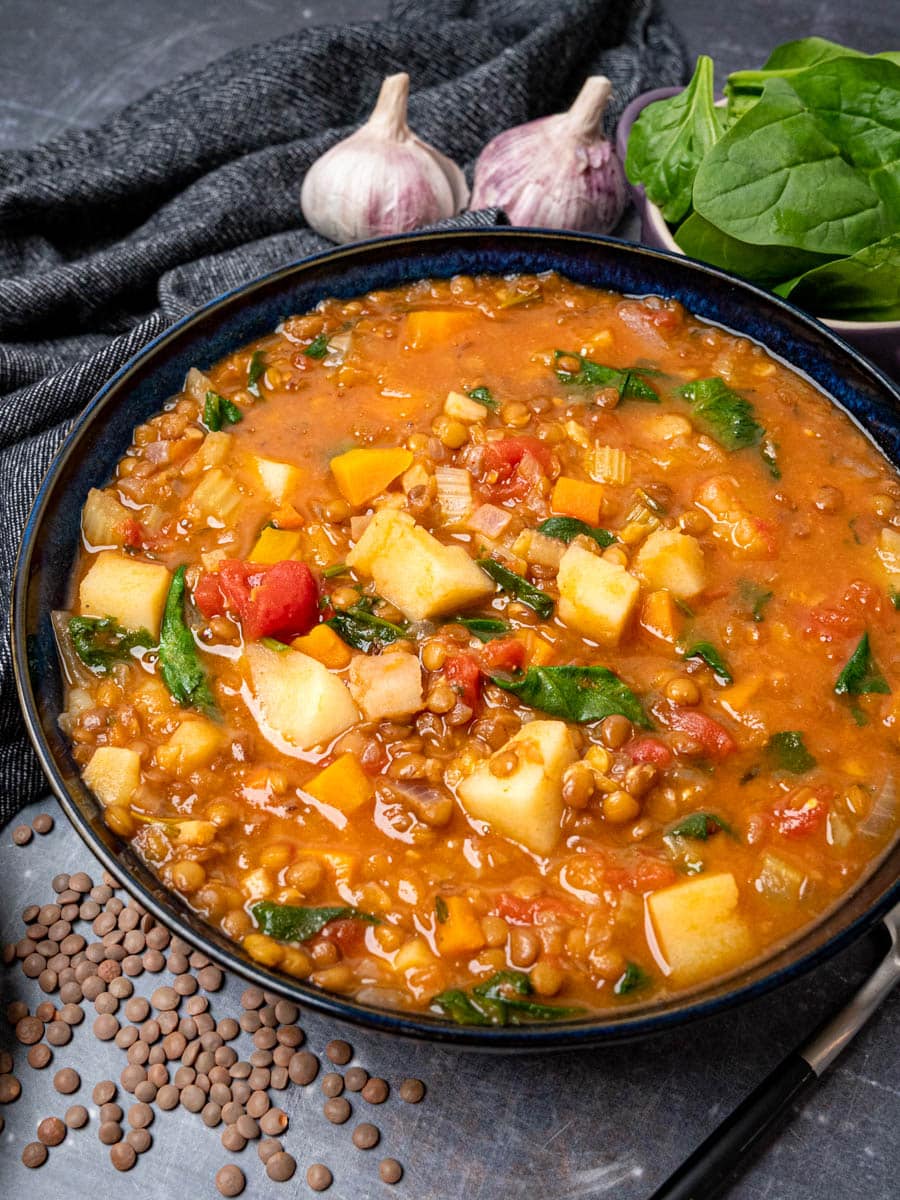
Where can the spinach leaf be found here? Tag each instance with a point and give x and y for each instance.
(340, 568)
(628, 382)
(516, 586)
(863, 287)
(483, 396)
(754, 599)
(363, 630)
(318, 347)
(764, 264)
(575, 693)
(633, 978)
(788, 752)
(700, 826)
(566, 529)
(256, 371)
(292, 923)
(441, 912)
(101, 641)
(861, 677)
(742, 88)
(669, 140)
(484, 628)
(495, 1001)
(768, 452)
(707, 653)
(894, 597)
(179, 661)
(777, 178)
(218, 411)
(722, 413)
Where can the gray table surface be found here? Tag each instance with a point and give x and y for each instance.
(566, 1127)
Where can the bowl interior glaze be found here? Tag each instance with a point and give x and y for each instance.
(139, 389)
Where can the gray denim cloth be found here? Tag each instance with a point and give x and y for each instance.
(108, 235)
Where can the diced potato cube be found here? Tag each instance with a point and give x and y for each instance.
(436, 327)
(888, 551)
(525, 806)
(194, 744)
(212, 452)
(323, 644)
(596, 596)
(414, 571)
(698, 928)
(660, 616)
(129, 590)
(102, 519)
(464, 408)
(387, 686)
(673, 560)
(216, 496)
(279, 479)
(275, 545)
(343, 784)
(113, 774)
(295, 699)
(461, 932)
(362, 474)
(414, 955)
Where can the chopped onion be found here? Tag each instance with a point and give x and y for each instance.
(883, 811)
(358, 526)
(338, 349)
(454, 494)
(489, 520)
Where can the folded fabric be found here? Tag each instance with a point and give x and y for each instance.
(108, 235)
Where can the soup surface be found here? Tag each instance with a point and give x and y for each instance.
(498, 647)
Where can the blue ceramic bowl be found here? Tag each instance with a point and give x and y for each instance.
(139, 389)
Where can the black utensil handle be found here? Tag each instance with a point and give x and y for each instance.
(711, 1165)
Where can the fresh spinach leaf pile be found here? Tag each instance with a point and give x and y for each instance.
(795, 183)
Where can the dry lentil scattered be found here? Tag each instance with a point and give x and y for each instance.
(123, 1156)
(267, 1147)
(337, 1110)
(10, 1089)
(42, 823)
(230, 1180)
(76, 1116)
(51, 1131)
(21, 835)
(376, 1091)
(39, 1056)
(317, 1176)
(390, 1170)
(66, 1081)
(35, 1153)
(139, 1139)
(339, 1052)
(109, 1133)
(281, 1167)
(412, 1091)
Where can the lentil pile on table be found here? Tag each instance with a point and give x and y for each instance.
(174, 1051)
(467, 645)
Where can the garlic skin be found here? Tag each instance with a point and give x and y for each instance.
(382, 179)
(558, 172)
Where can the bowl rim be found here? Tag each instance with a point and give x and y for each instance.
(605, 1027)
(652, 213)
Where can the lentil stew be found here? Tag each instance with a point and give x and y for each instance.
(466, 647)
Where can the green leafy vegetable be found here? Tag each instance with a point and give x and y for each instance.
(179, 661)
(575, 693)
(218, 411)
(863, 287)
(861, 677)
(440, 910)
(293, 923)
(483, 396)
(788, 752)
(670, 139)
(754, 598)
(318, 347)
(632, 978)
(361, 629)
(484, 628)
(335, 569)
(628, 383)
(100, 641)
(722, 413)
(516, 586)
(700, 826)
(858, 715)
(894, 597)
(273, 644)
(497, 1001)
(566, 529)
(707, 653)
(701, 239)
(256, 371)
(768, 452)
(684, 607)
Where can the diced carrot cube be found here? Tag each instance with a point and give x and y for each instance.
(287, 517)
(324, 645)
(275, 545)
(576, 498)
(538, 650)
(362, 474)
(344, 785)
(435, 327)
(661, 617)
(461, 932)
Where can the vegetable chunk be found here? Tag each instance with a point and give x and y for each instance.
(129, 590)
(362, 474)
(525, 806)
(387, 686)
(416, 572)
(113, 774)
(596, 597)
(672, 560)
(279, 479)
(698, 928)
(296, 698)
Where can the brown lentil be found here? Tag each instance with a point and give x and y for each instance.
(317, 1176)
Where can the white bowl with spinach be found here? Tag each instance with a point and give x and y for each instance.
(792, 181)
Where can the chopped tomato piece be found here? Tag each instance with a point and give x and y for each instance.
(348, 935)
(650, 750)
(133, 533)
(847, 618)
(521, 910)
(504, 654)
(715, 739)
(643, 874)
(802, 813)
(515, 463)
(279, 601)
(463, 674)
